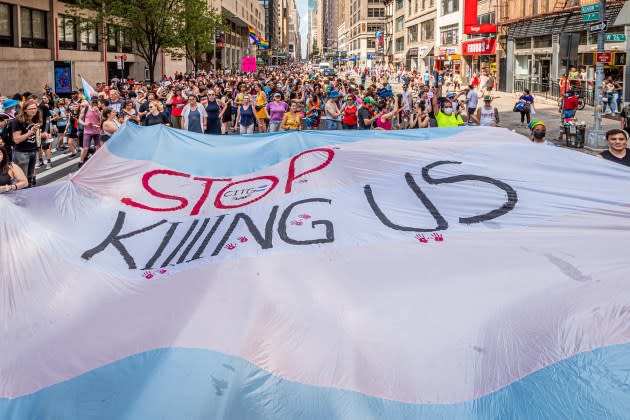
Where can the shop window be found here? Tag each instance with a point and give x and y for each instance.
(6, 25)
(542, 41)
(427, 30)
(523, 43)
(67, 30)
(33, 28)
(448, 35)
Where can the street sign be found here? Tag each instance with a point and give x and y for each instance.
(599, 27)
(589, 17)
(615, 37)
(590, 8)
(604, 57)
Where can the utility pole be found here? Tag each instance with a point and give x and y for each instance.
(595, 138)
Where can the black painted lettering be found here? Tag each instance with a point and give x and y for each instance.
(282, 225)
(265, 242)
(192, 243)
(442, 224)
(512, 197)
(165, 240)
(181, 243)
(206, 240)
(115, 239)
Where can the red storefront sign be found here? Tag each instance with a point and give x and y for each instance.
(487, 46)
(470, 20)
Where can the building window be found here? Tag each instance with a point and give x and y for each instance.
(487, 18)
(542, 41)
(400, 44)
(523, 43)
(6, 25)
(112, 38)
(125, 41)
(449, 6)
(412, 33)
(427, 30)
(400, 4)
(400, 23)
(374, 12)
(89, 39)
(448, 35)
(33, 28)
(371, 43)
(375, 1)
(67, 30)
(373, 27)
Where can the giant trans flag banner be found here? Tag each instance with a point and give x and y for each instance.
(439, 273)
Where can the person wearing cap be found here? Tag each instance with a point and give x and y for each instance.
(276, 109)
(618, 151)
(366, 114)
(9, 107)
(331, 111)
(487, 115)
(538, 132)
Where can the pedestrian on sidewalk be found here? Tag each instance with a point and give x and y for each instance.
(488, 115)
(472, 100)
(528, 100)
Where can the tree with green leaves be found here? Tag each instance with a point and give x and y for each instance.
(198, 33)
(151, 25)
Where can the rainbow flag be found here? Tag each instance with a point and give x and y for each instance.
(263, 44)
(254, 39)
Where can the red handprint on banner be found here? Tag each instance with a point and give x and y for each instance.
(437, 237)
(421, 238)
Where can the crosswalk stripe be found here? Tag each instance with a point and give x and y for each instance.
(56, 168)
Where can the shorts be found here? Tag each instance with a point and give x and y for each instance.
(471, 111)
(73, 132)
(46, 144)
(274, 126)
(88, 138)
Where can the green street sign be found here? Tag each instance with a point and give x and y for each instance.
(615, 37)
(589, 17)
(590, 8)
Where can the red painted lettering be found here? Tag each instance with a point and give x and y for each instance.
(217, 201)
(292, 176)
(206, 191)
(145, 183)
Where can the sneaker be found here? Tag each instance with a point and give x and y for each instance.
(79, 165)
(49, 165)
(73, 155)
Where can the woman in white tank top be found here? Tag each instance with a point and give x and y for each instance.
(487, 115)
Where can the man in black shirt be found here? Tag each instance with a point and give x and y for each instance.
(617, 147)
(366, 113)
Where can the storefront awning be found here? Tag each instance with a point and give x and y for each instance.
(424, 51)
(486, 46)
(412, 51)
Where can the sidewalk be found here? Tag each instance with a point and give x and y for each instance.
(546, 111)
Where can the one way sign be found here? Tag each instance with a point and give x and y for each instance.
(599, 27)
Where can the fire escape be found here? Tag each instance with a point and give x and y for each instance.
(388, 32)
